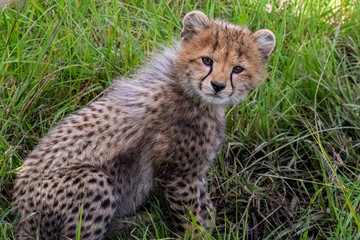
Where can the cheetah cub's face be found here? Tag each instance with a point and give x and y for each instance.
(219, 61)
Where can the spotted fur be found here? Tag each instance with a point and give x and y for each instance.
(161, 127)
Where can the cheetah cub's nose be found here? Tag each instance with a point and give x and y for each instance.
(217, 86)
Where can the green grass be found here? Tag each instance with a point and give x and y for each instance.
(289, 168)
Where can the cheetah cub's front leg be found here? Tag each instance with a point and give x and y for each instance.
(185, 195)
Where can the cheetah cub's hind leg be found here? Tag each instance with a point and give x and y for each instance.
(78, 188)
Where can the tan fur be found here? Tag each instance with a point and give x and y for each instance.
(162, 127)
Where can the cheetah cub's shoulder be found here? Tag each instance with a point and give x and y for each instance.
(160, 127)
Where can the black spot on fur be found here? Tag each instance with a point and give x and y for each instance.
(85, 235)
(105, 203)
(98, 231)
(98, 219)
(72, 228)
(75, 209)
(109, 181)
(92, 180)
(88, 217)
(97, 198)
(181, 184)
(107, 218)
(203, 206)
(76, 181)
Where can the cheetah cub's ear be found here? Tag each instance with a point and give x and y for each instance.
(192, 23)
(266, 42)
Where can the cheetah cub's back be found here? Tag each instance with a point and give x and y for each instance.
(161, 127)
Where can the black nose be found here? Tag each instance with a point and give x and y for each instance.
(217, 86)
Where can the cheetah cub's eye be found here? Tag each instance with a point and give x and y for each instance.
(238, 69)
(207, 61)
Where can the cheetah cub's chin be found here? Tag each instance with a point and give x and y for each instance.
(221, 62)
(160, 128)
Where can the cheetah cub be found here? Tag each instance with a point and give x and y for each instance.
(161, 127)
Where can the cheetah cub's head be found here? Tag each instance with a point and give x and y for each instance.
(219, 61)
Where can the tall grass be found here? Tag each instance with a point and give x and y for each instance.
(289, 168)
